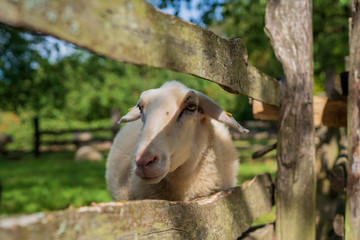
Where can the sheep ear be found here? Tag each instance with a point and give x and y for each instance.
(211, 109)
(132, 115)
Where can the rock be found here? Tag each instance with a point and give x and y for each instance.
(88, 153)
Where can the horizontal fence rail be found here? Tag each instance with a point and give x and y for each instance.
(76, 141)
(223, 215)
(327, 112)
(133, 31)
(56, 132)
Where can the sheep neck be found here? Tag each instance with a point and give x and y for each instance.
(210, 145)
(190, 177)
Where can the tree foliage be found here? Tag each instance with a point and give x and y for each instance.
(25, 82)
(246, 19)
(84, 86)
(87, 86)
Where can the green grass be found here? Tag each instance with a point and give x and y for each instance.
(250, 167)
(266, 218)
(255, 167)
(52, 182)
(55, 181)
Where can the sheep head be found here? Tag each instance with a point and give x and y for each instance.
(170, 116)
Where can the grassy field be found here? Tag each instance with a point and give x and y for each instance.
(55, 181)
(52, 182)
(250, 167)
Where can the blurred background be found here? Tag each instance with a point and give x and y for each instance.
(56, 98)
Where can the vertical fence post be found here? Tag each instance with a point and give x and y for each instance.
(36, 137)
(288, 24)
(115, 117)
(352, 212)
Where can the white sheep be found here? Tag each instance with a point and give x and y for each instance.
(179, 150)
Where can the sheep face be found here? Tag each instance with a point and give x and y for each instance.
(170, 115)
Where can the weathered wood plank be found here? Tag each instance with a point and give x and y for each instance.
(75, 130)
(133, 31)
(352, 213)
(288, 24)
(327, 112)
(223, 215)
(263, 111)
(261, 86)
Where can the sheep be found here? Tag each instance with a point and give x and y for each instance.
(174, 146)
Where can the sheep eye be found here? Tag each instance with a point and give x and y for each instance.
(188, 110)
(141, 108)
(191, 107)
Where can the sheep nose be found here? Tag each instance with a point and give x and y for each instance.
(145, 162)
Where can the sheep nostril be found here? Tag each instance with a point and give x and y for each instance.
(154, 160)
(146, 162)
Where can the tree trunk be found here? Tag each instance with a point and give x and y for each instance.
(288, 24)
(352, 212)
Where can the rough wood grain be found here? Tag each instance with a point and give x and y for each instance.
(288, 24)
(263, 111)
(352, 214)
(133, 31)
(223, 215)
(327, 112)
(264, 151)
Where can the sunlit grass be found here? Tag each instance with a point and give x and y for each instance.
(250, 167)
(266, 218)
(54, 181)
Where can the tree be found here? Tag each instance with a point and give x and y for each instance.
(23, 58)
(82, 86)
(246, 20)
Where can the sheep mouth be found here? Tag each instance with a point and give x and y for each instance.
(152, 180)
(152, 175)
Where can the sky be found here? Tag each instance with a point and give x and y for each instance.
(184, 13)
(191, 11)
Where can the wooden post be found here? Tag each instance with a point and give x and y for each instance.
(352, 212)
(115, 116)
(36, 137)
(288, 24)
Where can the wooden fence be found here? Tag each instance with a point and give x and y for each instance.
(135, 32)
(224, 215)
(73, 143)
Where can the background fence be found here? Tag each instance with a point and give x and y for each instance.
(79, 137)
